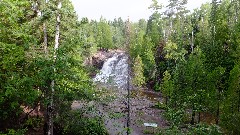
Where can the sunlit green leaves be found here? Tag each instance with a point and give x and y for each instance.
(138, 77)
(11, 55)
(173, 52)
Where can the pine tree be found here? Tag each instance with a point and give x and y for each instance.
(148, 58)
(104, 37)
(195, 77)
(234, 88)
(167, 86)
(138, 77)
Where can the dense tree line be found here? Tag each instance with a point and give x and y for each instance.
(192, 58)
(37, 73)
(41, 66)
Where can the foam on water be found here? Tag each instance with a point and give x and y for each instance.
(114, 71)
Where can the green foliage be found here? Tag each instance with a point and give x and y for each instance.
(230, 122)
(88, 38)
(174, 52)
(196, 77)
(118, 32)
(116, 115)
(33, 122)
(192, 58)
(155, 6)
(138, 77)
(234, 88)
(160, 105)
(201, 56)
(154, 28)
(75, 123)
(15, 132)
(174, 116)
(230, 119)
(199, 129)
(16, 84)
(26, 71)
(203, 129)
(104, 37)
(146, 131)
(214, 79)
(171, 131)
(148, 58)
(167, 86)
(136, 41)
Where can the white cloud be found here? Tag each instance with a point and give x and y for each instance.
(110, 9)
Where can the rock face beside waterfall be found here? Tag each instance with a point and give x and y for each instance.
(98, 59)
(114, 71)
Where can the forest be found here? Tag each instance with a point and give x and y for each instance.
(190, 59)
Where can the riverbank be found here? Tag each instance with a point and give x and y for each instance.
(112, 98)
(112, 106)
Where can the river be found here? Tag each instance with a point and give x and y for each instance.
(111, 83)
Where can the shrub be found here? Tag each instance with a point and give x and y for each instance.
(75, 123)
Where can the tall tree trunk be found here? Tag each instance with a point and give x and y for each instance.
(214, 31)
(45, 38)
(192, 45)
(166, 100)
(236, 12)
(171, 25)
(164, 35)
(199, 117)
(199, 114)
(37, 9)
(193, 115)
(51, 107)
(128, 78)
(218, 108)
(217, 119)
(238, 100)
(203, 30)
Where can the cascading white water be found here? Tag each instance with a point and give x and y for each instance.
(114, 71)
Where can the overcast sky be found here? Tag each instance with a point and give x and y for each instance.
(110, 9)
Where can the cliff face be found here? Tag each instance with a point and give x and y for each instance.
(98, 59)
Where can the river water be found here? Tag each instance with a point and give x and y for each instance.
(114, 71)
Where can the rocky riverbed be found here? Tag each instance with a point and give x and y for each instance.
(112, 107)
(112, 103)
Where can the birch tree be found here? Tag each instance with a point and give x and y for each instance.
(56, 46)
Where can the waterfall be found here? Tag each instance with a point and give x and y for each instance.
(114, 71)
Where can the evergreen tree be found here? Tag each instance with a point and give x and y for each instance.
(167, 86)
(104, 37)
(138, 77)
(148, 59)
(26, 69)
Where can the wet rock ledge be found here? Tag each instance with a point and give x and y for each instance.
(98, 59)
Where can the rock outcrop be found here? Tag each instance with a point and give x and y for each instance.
(98, 59)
